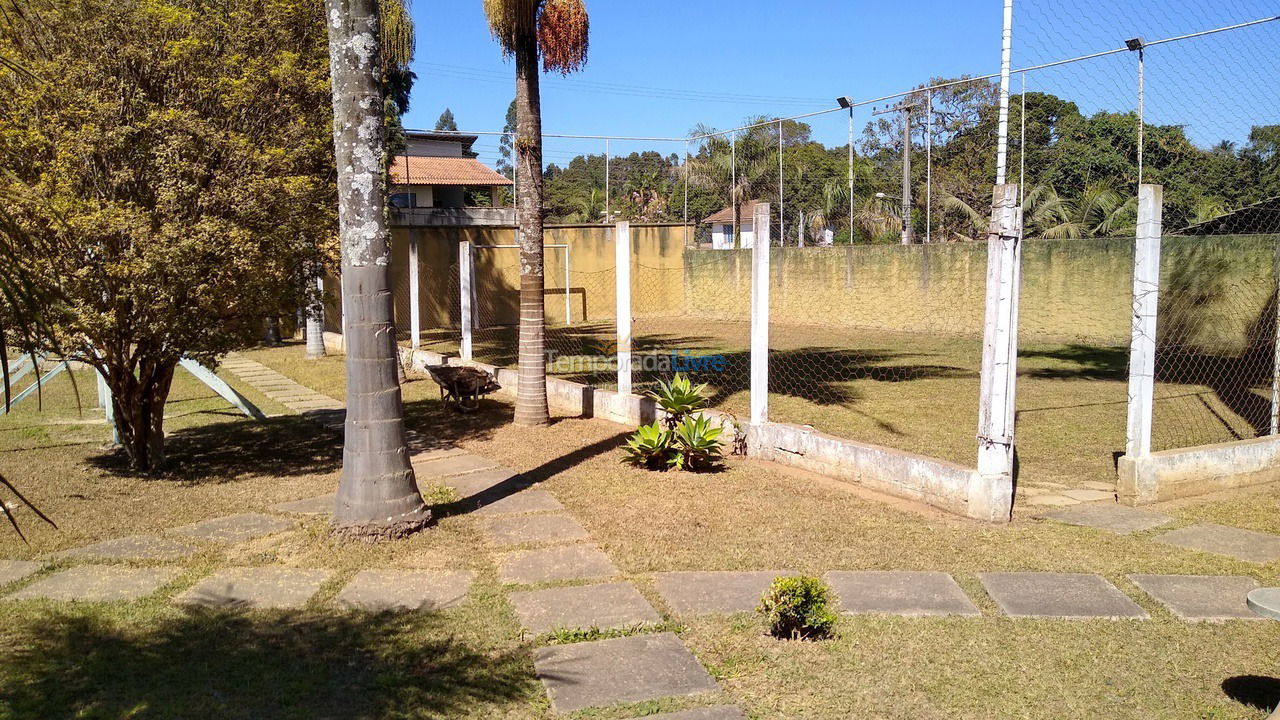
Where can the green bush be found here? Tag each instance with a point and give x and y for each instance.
(697, 444)
(650, 447)
(798, 607)
(679, 399)
(689, 443)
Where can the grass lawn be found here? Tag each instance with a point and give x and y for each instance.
(153, 660)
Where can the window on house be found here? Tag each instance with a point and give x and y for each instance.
(404, 200)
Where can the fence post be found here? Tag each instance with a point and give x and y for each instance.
(993, 499)
(760, 315)
(466, 279)
(622, 295)
(1275, 363)
(415, 319)
(1146, 299)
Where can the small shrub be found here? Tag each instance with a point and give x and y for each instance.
(697, 444)
(679, 399)
(650, 447)
(798, 607)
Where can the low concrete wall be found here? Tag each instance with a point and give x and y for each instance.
(1171, 474)
(944, 485)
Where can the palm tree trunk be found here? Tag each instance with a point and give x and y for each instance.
(377, 494)
(531, 394)
(315, 323)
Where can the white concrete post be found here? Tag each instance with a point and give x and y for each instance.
(760, 315)
(415, 318)
(622, 294)
(1146, 298)
(1275, 362)
(466, 292)
(993, 499)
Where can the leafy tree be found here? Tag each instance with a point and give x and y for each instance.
(555, 31)
(504, 142)
(446, 121)
(171, 165)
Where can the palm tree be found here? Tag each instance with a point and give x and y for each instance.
(377, 494)
(1098, 211)
(747, 165)
(556, 31)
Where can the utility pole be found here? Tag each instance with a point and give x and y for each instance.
(905, 108)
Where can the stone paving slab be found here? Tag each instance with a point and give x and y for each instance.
(1197, 598)
(1244, 545)
(606, 607)
(1067, 596)
(520, 529)
(12, 571)
(913, 594)
(258, 587)
(1113, 518)
(620, 670)
(1087, 495)
(478, 482)
(134, 547)
(435, 452)
(98, 583)
(453, 465)
(235, 528)
(518, 503)
(379, 590)
(716, 712)
(568, 562)
(704, 593)
(319, 505)
(1052, 501)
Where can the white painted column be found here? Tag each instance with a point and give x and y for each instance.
(622, 294)
(415, 317)
(993, 500)
(1146, 299)
(760, 315)
(466, 292)
(1275, 366)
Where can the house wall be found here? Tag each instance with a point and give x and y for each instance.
(721, 240)
(433, 148)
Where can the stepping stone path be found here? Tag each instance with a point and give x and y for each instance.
(621, 670)
(585, 607)
(914, 594)
(321, 505)
(718, 712)
(12, 571)
(703, 593)
(134, 547)
(569, 562)
(519, 503)
(485, 482)
(526, 529)
(1198, 598)
(1114, 518)
(453, 465)
(1244, 545)
(1067, 596)
(379, 590)
(235, 528)
(98, 583)
(276, 386)
(260, 587)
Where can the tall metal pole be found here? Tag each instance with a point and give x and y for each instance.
(1006, 56)
(733, 189)
(1141, 109)
(928, 177)
(608, 216)
(851, 174)
(1022, 145)
(686, 192)
(782, 225)
(907, 239)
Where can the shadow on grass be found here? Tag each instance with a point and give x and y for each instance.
(1256, 691)
(1086, 362)
(217, 664)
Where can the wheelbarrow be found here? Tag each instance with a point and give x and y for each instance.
(462, 386)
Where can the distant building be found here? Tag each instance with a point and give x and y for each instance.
(722, 226)
(431, 182)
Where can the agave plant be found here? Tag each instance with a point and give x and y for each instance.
(650, 447)
(679, 398)
(698, 444)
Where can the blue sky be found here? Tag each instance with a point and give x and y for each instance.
(660, 67)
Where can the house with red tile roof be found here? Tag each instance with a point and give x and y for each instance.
(439, 172)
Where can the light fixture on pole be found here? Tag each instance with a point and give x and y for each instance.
(1138, 45)
(847, 103)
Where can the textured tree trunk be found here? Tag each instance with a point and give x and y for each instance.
(377, 494)
(271, 333)
(138, 406)
(531, 394)
(315, 323)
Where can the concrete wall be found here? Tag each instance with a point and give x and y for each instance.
(1186, 472)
